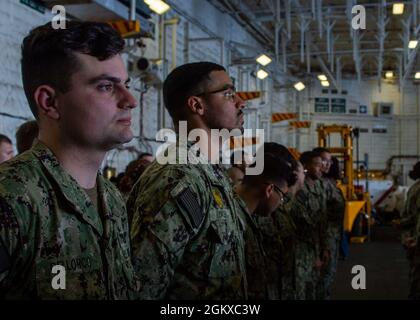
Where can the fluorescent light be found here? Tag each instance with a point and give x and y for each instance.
(325, 83)
(389, 74)
(322, 77)
(157, 6)
(412, 44)
(398, 8)
(263, 60)
(417, 75)
(261, 74)
(299, 86)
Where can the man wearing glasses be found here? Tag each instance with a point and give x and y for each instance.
(260, 195)
(186, 233)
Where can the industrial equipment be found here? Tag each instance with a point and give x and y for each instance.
(357, 218)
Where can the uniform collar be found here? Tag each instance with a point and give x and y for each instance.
(71, 190)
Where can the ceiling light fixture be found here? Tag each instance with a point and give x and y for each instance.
(389, 74)
(262, 74)
(398, 8)
(264, 60)
(157, 6)
(412, 44)
(299, 86)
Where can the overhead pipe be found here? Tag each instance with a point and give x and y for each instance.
(284, 51)
(186, 42)
(308, 52)
(347, 52)
(320, 21)
(303, 25)
(333, 52)
(382, 22)
(349, 6)
(133, 10)
(288, 19)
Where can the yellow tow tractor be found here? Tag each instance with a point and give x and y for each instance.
(357, 216)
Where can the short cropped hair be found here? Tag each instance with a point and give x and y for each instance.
(279, 151)
(5, 139)
(307, 156)
(275, 171)
(183, 82)
(48, 54)
(414, 173)
(25, 135)
(320, 150)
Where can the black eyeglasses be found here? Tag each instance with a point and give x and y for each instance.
(229, 94)
(283, 196)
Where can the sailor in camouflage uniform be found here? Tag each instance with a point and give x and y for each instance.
(287, 234)
(260, 195)
(55, 208)
(410, 232)
(308, 216)
(275, 226)
(187, 235)
(335, 208)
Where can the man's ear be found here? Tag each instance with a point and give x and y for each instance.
(195, 104)
(268, 190)
(46, 99)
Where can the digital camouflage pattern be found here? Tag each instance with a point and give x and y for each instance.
(186, 234)
(287, 232)
(335, 206)
(46, 219)
(411, 212)
(259, 278)
(411, 229)
(308, 215)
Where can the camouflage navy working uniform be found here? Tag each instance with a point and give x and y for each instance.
(410, 228)
(335, 208)
(278, 234)
(260, 281)
(187, 236)
(308, 215)
(46, 219)
(287, 234)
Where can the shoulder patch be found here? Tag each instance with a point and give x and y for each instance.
(218, 198)
(188, 201)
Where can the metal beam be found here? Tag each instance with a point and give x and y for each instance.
(319, 15)
(327, 72)
(303, 26)
(381, 23)
(411, 60)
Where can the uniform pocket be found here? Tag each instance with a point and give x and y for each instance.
(224, 247)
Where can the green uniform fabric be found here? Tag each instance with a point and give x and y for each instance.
(411, 228)
(309, 217)
(186, 234)
(335, 206)
(287, 232)
(259, 278)
(47, 219)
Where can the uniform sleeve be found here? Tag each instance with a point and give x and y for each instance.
(9, 241)
(409, 216)
(159, 239)
(335, 205)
